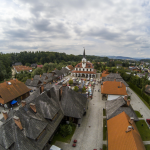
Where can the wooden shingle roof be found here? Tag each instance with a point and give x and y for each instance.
(12, 89)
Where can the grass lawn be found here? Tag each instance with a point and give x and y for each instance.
(104, 129)
(67, 139)
(138, 114)
(104, 147)
(104, 112)
(147, 147)
(143, 130)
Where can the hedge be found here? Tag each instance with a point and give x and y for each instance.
(139, 92)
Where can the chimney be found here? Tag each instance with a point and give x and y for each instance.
(17, 122)
(23, 103)
(131, 120)
(32, 106)
(115, 79)
(128, 102)
(121, 84)
(126, 98)
(41, 89)
(129, 129)
(32, 79)
(40, 75)
(64, 84)
(5, 115)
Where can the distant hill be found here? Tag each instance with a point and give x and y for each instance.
(122, 57)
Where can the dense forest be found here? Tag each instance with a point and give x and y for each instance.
(40, 57)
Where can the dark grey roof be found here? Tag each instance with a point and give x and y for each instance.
(64, 70)
(118, 80)
(114, 76)
(35, 82)
(17, 64)
(58, 72)
(34, 124)
(14, 138)
(48, 107)
(1, 148)
(28, 82)
(73, 103)
(33, 96)
(116, 106)
(34, 65)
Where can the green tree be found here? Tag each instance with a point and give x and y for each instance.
(70, 82)
(76, 89)
(45, 67)
(83, 89)
(28, 64)
(37, 71)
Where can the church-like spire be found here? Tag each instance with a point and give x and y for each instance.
(84, 53)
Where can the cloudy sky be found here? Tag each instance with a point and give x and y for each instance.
(103, 27)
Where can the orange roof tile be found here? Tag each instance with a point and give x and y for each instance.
(118, 139)
(113, 88)
(22, 68)
(70, 67)
(88, 65)
(12, 90)
(105, 73)
(88, 72)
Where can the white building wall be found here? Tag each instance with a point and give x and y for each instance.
(112, 97)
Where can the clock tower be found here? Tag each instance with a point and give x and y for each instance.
(84, 60)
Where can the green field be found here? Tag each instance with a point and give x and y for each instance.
(104, 130)
(147, 147)
(67, 139)
(138, 114)
(143, 130)
(104, 112)
(104, 147)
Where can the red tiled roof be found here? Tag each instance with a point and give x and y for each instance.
(22, 68)
(88, 65)
(12, 91)
(88, 72)
(105, 73)
(39, 66)
(113, 88)
(70, 67)
(118, 139)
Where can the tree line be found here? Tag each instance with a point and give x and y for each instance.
(50, 60)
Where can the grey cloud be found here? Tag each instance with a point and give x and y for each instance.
(20, 47)
(20, 21)
(103, 33)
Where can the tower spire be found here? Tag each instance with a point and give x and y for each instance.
(84, 53)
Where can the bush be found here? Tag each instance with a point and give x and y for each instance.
(70, 82)
(76, 89)
(83, 89)
(65, 130)
(139, 92)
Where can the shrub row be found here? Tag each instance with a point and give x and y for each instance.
(139, 92)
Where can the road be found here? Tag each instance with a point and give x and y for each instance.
(90, 133)
(138, 104)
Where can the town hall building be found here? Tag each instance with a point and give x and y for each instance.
(84, 69)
